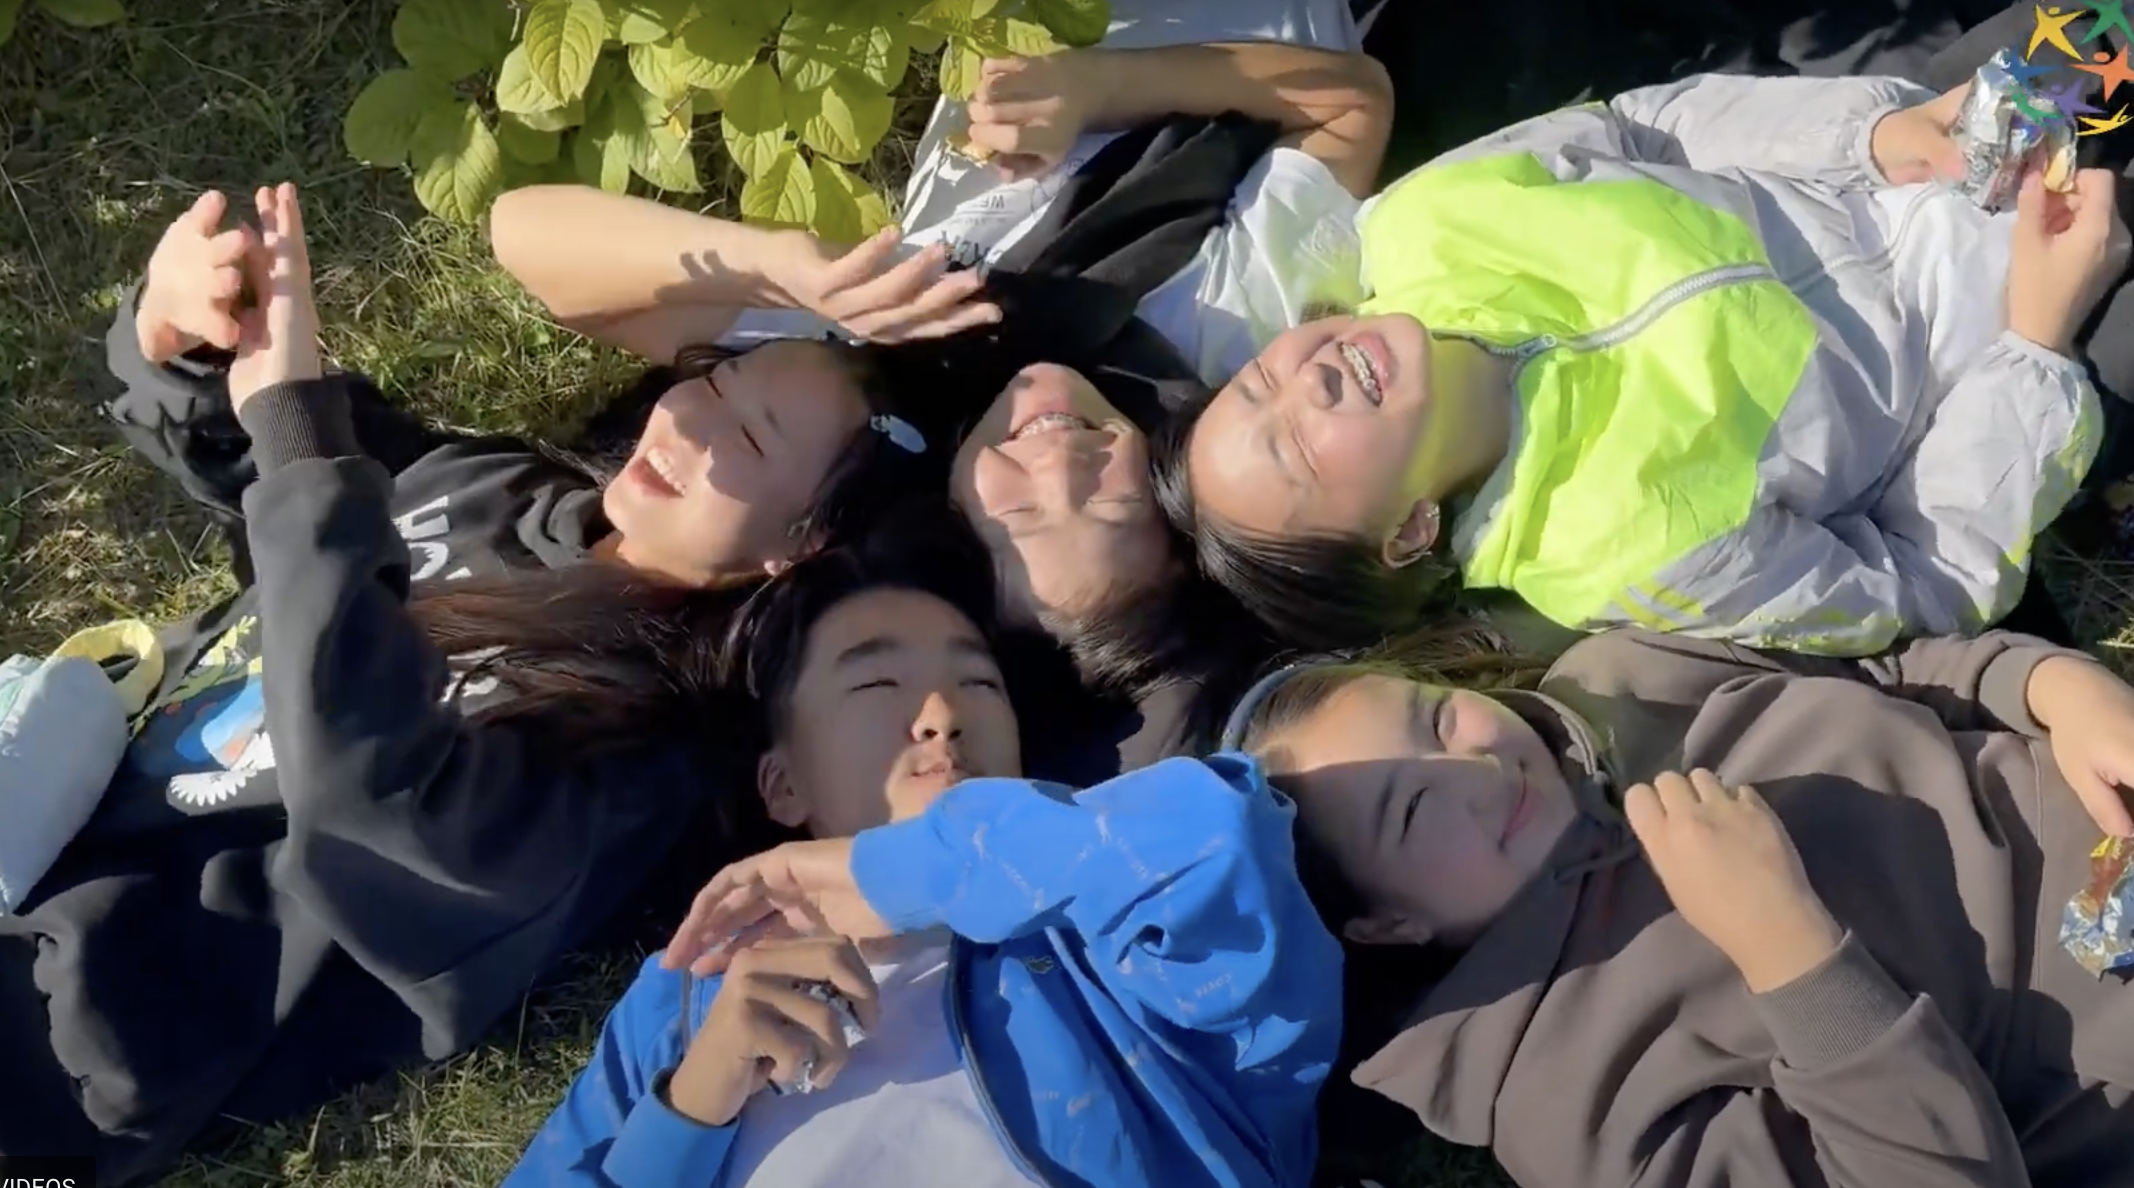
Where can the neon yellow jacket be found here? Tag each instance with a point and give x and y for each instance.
(1744, 412)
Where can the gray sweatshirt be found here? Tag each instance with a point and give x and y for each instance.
(1594, 1040)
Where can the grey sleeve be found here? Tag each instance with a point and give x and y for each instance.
(1814, 129)
(1870, 1089)
(2007, 448)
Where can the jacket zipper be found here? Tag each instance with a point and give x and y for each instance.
(970, 1063)
(1645, 315)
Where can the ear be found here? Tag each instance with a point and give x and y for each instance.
(775, 786)
(1415, 536)
(1386, 930)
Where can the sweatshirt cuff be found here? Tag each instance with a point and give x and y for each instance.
(659, 1146)
(289, 422)
(900, 870)
(1833, 1010)
(1863, 144)
(2004, 687)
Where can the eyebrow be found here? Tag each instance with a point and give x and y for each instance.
(883, 645)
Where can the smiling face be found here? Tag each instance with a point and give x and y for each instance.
(897, 700)
(1056, 482)
(728, 463)
(1337, 429)
(1436, 804)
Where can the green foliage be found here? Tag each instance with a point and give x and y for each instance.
(499, 93)
(82, 14)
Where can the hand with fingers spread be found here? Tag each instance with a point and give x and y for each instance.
(764, 1026)
(874, 296)
(1914, 145)
(278, 334)
(1733, 875)
(195, 280)
(1027, 113)
(2088, 715)
(799, 888)
(2066, 250)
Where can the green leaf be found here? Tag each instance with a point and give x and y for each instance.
(1074, 22)
(874, 212)
(1011, 37)
(555, 119)
(665, 160)
(843, 120)
(736, 23)
(919, 39)
(611, 142)
(811, 49)
(753, 120)
(452, 38)
(952, 18)
(671, 70)
(960, 68)
(458, 166)
(704, 103)
(85, 14)
(9, 11)
(783, 194)
(563, 39)
(523, 142)
(718, 52)
(518, 90)
(837, 216)
(380, 125)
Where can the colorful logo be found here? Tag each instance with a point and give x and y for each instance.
(2088, 50)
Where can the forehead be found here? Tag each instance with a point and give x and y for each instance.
(1369, 717)
(888, 623)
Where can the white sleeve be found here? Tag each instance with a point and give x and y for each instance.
(1290, 244)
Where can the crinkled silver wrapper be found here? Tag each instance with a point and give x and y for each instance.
(854, 1033)
(2097, 929)
(2001, 140)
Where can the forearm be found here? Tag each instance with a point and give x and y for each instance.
(591, 256)
(1335, 106)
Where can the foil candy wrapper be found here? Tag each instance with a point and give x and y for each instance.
(854, 1034)
(2005, 129)
(2098, 927)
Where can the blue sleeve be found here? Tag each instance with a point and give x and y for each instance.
(1179, 878)
(613, 1130)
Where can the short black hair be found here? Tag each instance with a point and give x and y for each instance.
(925, 547)
(1320, 591)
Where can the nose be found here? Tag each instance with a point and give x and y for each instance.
(936, 720)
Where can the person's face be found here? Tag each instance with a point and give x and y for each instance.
(898, 699)
(1056, 481)
(728, 463)
(1329, 431)
(1437, 804)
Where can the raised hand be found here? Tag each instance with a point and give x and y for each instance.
(866, 290)
(2066, 250)
(195, 279)
(278, 334)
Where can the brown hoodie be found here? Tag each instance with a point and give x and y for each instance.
(1593, 1040)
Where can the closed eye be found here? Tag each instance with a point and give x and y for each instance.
(884, 683)
(1407, 820)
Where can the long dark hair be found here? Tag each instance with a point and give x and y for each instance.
(601, 659)
(1318, 591)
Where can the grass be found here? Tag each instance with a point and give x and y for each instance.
(105, 135)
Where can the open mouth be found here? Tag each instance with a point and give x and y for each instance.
(657, 470)
(1366, 370)
(1051, 422)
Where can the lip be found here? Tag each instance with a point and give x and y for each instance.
(1521, 810)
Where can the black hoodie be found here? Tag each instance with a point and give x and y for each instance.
(312, 866)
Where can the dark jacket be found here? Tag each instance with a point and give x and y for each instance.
(312, 866)
(1594, 1040)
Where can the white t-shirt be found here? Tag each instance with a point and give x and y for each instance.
(902, 1114)
(1290, 241)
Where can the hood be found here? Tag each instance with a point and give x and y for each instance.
(1456, 1044)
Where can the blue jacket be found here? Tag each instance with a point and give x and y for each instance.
(1141, 989)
